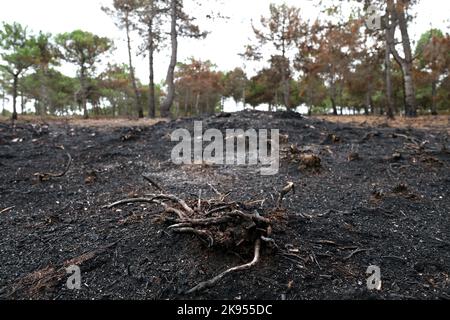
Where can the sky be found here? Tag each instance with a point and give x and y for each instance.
(226, 40)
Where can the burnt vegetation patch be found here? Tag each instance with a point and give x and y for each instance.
(141, 227)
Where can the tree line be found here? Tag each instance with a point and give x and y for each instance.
(338, 62)
(335, 63)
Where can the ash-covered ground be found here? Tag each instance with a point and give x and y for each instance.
(379, 197)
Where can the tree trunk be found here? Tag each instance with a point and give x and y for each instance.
(167, 104)
(366, 109)
(284, 77)
(398, 13)
(333, 93)
(433, 99)
(333, 104)
(83, 93)
(387, 63)
(244, 97)
(186, 97)
(177, 109)
(285, 81)
(15, 86)
(3, 102)
(197, 103)
(44, 92)
(137, 96)
(367, 105)
(22, 103)
(410, 93)
(333, 98)
(151, 93)
(339, 97)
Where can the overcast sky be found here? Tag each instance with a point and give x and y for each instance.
(222, 46)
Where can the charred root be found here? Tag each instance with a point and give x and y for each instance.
(219, 224)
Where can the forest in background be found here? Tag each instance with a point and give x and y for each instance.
(336, 63)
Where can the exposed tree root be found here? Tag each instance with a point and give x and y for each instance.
(126, 201)
(173, 198)
(200, 233)
(210, 283)
(228, 225)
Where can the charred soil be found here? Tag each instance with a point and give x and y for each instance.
(364, 195)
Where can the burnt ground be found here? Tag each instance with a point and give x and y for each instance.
(391, 205)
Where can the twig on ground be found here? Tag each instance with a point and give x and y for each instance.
(153, 182)
(214, 189)
(356, 252)
(126, 201)
(221, 195)
(394, 258)
(290, 187)
(7, 209)
(441, 241)
(210, 283)
(291, 256)
(199, 205)
(47, 176)
(411, 139)
(314, 258)
(326, 242)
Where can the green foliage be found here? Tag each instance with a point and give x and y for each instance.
(19, 50)
(82, 48)
(47, 52)
(425, 41)
(60, 92)
(234, 84)
(114, 86)
(263, 89)
(329, 63)
(432, 67)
